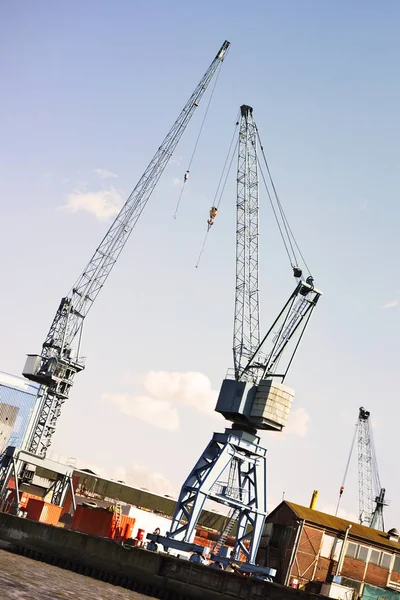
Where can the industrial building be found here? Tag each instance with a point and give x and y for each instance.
(326, 554)
(17, 398)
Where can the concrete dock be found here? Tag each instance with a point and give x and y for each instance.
(153, 574)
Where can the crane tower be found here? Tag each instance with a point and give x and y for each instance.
(60, 359)
(232, 469)
(371, 494)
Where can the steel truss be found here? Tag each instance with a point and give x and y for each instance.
(11, 463)
(230, 471)
(371, 504)
(364, 468)
(246, 329)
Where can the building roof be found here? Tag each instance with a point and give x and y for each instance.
(360, 532)
(18, 383)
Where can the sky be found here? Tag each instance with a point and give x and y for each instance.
(89, 90)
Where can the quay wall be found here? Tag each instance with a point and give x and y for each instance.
(158, 575)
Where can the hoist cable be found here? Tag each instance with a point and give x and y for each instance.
(375, 472)
(347, 467)
(224, 167)
(283, 216)
(202, 248)
(227, 175)
(287, 226)
(291, 238)
(197, 141)
(216, 204)
(274, 211)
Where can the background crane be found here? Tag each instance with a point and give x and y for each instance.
(232, 468)
(371, 495)
(60, 360)
(369, 485)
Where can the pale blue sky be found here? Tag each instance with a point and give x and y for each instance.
(96, 85)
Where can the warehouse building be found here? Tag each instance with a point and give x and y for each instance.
(17, 398)
(325, 554)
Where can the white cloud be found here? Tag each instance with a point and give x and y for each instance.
(176, 181)
(175, 160)
(297, 424)
(343, 514)
(190, 388)
(164, 390)
(104, 173)
(391, 304)
(159, 413)
(135, 475)
(102, 204)
(141, 476)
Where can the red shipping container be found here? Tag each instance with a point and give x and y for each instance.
(39, 510)
(101, 522)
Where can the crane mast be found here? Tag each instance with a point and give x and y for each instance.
(246, 329)
(232, 468)
(371, 494)
(60, 360)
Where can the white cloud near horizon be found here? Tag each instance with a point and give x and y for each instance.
(391, 304)
(103, 204)
(164, 391)
(342, 514)
(298, 422)
(175, 160)
(105, 173)
(135, 475)
(159, 413)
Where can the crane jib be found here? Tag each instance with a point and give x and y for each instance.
(58, 363)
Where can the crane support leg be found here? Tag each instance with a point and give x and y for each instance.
(241, 488)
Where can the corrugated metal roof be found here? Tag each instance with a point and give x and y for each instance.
(138, 497)
(366, 534)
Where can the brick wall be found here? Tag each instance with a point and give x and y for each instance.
(376, 575)
(353, 568)
(395, 577)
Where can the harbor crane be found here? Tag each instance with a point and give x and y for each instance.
(232, 469)
(371, 495)
(60, 359)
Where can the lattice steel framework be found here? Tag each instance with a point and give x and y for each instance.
(364, 468)
(371, 494)
(231, 471)
(246, 329)
(59, 362)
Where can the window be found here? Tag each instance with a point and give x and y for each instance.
(383, 559)
(351, 550)
(362, 553)
(396, 566)
(327, 545)
(386, 559)
(375, 556)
